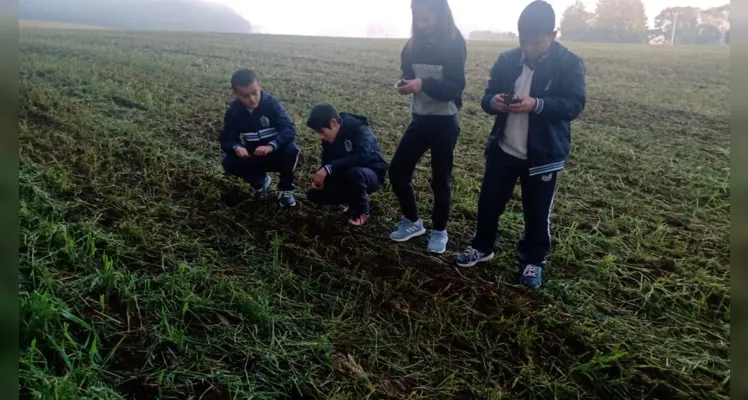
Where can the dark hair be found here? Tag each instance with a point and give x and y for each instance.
(538, 18)
(446, 30)
(243, 78)
(320, 116)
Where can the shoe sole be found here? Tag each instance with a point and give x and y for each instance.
(437, 252)
(472, 264)
(411, 236)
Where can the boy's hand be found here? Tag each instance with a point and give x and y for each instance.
(319, 179)
(411, 86)
(498, 102)
(241, 152)
(526, 105)
(263, 150)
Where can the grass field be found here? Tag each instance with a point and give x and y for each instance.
(146, 273)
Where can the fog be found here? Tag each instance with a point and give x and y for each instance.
(355, 18)
(177, 15)
(392, 17)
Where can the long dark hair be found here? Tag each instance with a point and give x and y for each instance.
(446, 30)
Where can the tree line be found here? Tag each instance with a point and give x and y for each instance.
(625, 21)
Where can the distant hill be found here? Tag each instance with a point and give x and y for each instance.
(171, 15)
(30, 23)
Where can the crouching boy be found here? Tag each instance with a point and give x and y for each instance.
(258, 137)
(353, 166)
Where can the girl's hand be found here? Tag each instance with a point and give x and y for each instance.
(411, 86)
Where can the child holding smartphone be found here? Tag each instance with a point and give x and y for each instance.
(433, 72)
(534, 92)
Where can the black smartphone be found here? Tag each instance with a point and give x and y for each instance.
(401, 83)
(509, 99)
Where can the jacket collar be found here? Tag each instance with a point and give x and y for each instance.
(552, 49)
(540, 60)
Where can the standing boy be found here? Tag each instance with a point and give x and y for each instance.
(535, 91)
(258, 137)
(353, 166)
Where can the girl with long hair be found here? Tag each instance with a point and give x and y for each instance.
(433, 73)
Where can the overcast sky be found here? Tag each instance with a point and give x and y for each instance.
(354, 17)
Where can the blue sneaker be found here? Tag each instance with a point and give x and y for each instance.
(532, 276)
(286, 199)
(438, 242)
(471, 256)
(407, 230)
(259, 193)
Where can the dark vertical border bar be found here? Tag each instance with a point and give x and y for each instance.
(9, 74)
(739, 198)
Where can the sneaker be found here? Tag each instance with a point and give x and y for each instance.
(532, 276)
(259, 193)
(407, 230)
(438, 242)
(358, 220)
(286, 199)
(471, 256)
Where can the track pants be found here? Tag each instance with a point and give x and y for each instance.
(254, 169)
(538, 192)
(351, 186)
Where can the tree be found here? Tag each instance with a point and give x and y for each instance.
(708, 34)
(622, 21)
(575, 22)
(686, 27)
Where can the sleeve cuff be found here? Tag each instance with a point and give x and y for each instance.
(274, 144)
(539, 103)
(493, 104)
(328, 168)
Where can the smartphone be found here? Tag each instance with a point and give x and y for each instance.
(401, 83)
(509, 99)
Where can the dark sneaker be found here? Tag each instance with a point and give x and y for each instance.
(286, 199)
(532, 276)
(471, 256)
(261, 192)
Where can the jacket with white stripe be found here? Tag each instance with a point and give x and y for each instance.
(268, 124)
(559, 86)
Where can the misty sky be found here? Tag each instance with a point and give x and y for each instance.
(353, 17)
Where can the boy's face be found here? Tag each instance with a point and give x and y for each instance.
(424, 20)
(535, 46)
(329, 134)
(249, 95)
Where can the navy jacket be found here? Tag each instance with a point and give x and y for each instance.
(560, 88)
(355, 146)
(268, 124)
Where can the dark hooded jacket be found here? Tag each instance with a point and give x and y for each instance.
(355, 146)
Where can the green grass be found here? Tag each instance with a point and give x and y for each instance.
(146, 273)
